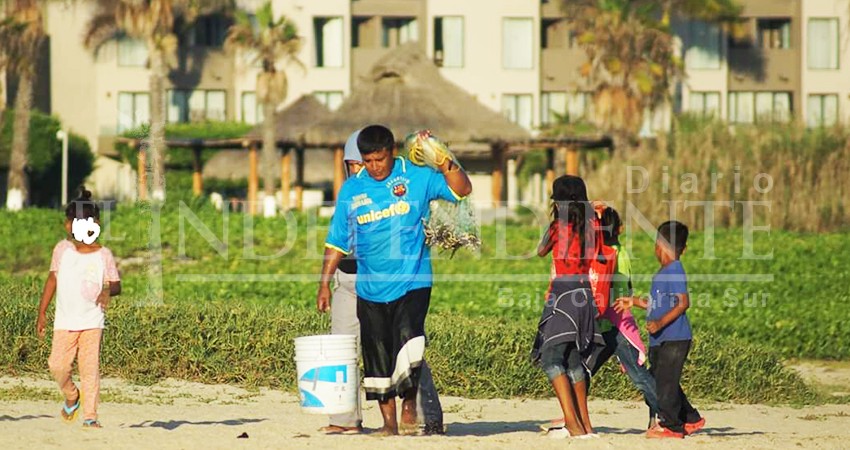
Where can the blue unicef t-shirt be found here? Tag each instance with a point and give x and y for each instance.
(382, 223)
(668, 282)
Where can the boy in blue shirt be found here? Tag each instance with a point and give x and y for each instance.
(379, 217)
(669, 333)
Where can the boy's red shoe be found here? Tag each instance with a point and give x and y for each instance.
(691, 428)
(659, 432)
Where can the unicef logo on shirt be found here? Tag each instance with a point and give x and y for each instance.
(399, 208)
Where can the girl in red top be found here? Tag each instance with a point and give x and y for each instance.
(566, 340)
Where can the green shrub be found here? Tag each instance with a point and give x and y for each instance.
(182, 158)
(44, 158)
(253, 345)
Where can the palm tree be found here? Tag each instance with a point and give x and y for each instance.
(632, 59)
(152, 22)
(21, 35)
(270, 41)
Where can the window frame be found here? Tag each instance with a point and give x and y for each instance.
(821, 97)
(732, 107)
(836, 44)
(703, 112)
(759, 42)
(531, 49)
(439, 38)
(134, 95)
(324, 98)
(125, 40)
(319, 57)
(187, 103)
(718, 64)
(516, 100)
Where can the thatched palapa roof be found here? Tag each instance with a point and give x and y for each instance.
(291, 123)
(405, 92)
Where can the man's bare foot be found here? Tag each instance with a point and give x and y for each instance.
(409, 429)
(336, 429)
(408, 412)
(384, 432)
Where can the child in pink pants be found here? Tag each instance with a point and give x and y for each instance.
(83, 276)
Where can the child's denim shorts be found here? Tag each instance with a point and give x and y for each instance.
(562, 358)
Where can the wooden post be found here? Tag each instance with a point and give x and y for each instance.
(299, 179)
(550, 169)
(498, 171)
(572, 161)
(285, 162)
(142, 170)
(197, 182)
(253, 182)
(338, 171)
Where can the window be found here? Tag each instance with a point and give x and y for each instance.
(398, 30)
(132, 52)
(517, 44)
(703, 48)
(208, 31)
(554, 33)
(178, 106)
(133, 110)
(215, 106)
(553, 107)
(448, 41)
(749, 107)
(565, 107)
(579, 106)
(517, 109)
(822, 110)
(331, 99)
(328, 37)
(252, 112)
(704, 104)
(774, 33)
(196, 106)
(823, 44)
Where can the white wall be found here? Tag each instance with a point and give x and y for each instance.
(73, 77)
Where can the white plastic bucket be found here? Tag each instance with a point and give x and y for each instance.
(327, 373)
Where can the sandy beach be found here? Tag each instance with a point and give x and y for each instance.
(180, 415)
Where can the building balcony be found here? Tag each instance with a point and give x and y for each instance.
(757, 69)
(559, 69)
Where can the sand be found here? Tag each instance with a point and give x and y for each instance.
(178, 415)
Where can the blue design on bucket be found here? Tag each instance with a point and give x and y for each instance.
(310, 401)
(326, 373)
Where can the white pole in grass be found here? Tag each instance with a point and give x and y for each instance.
(63, 136)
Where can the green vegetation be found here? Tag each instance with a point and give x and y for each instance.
(232, 307)
(44, 157)
(252, 344)
(181, 158)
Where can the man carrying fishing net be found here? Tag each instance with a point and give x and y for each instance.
(379, 216)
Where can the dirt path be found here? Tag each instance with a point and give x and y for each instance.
(830, 377)
(176, 415)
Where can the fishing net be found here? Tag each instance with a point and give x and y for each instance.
(450, 226)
